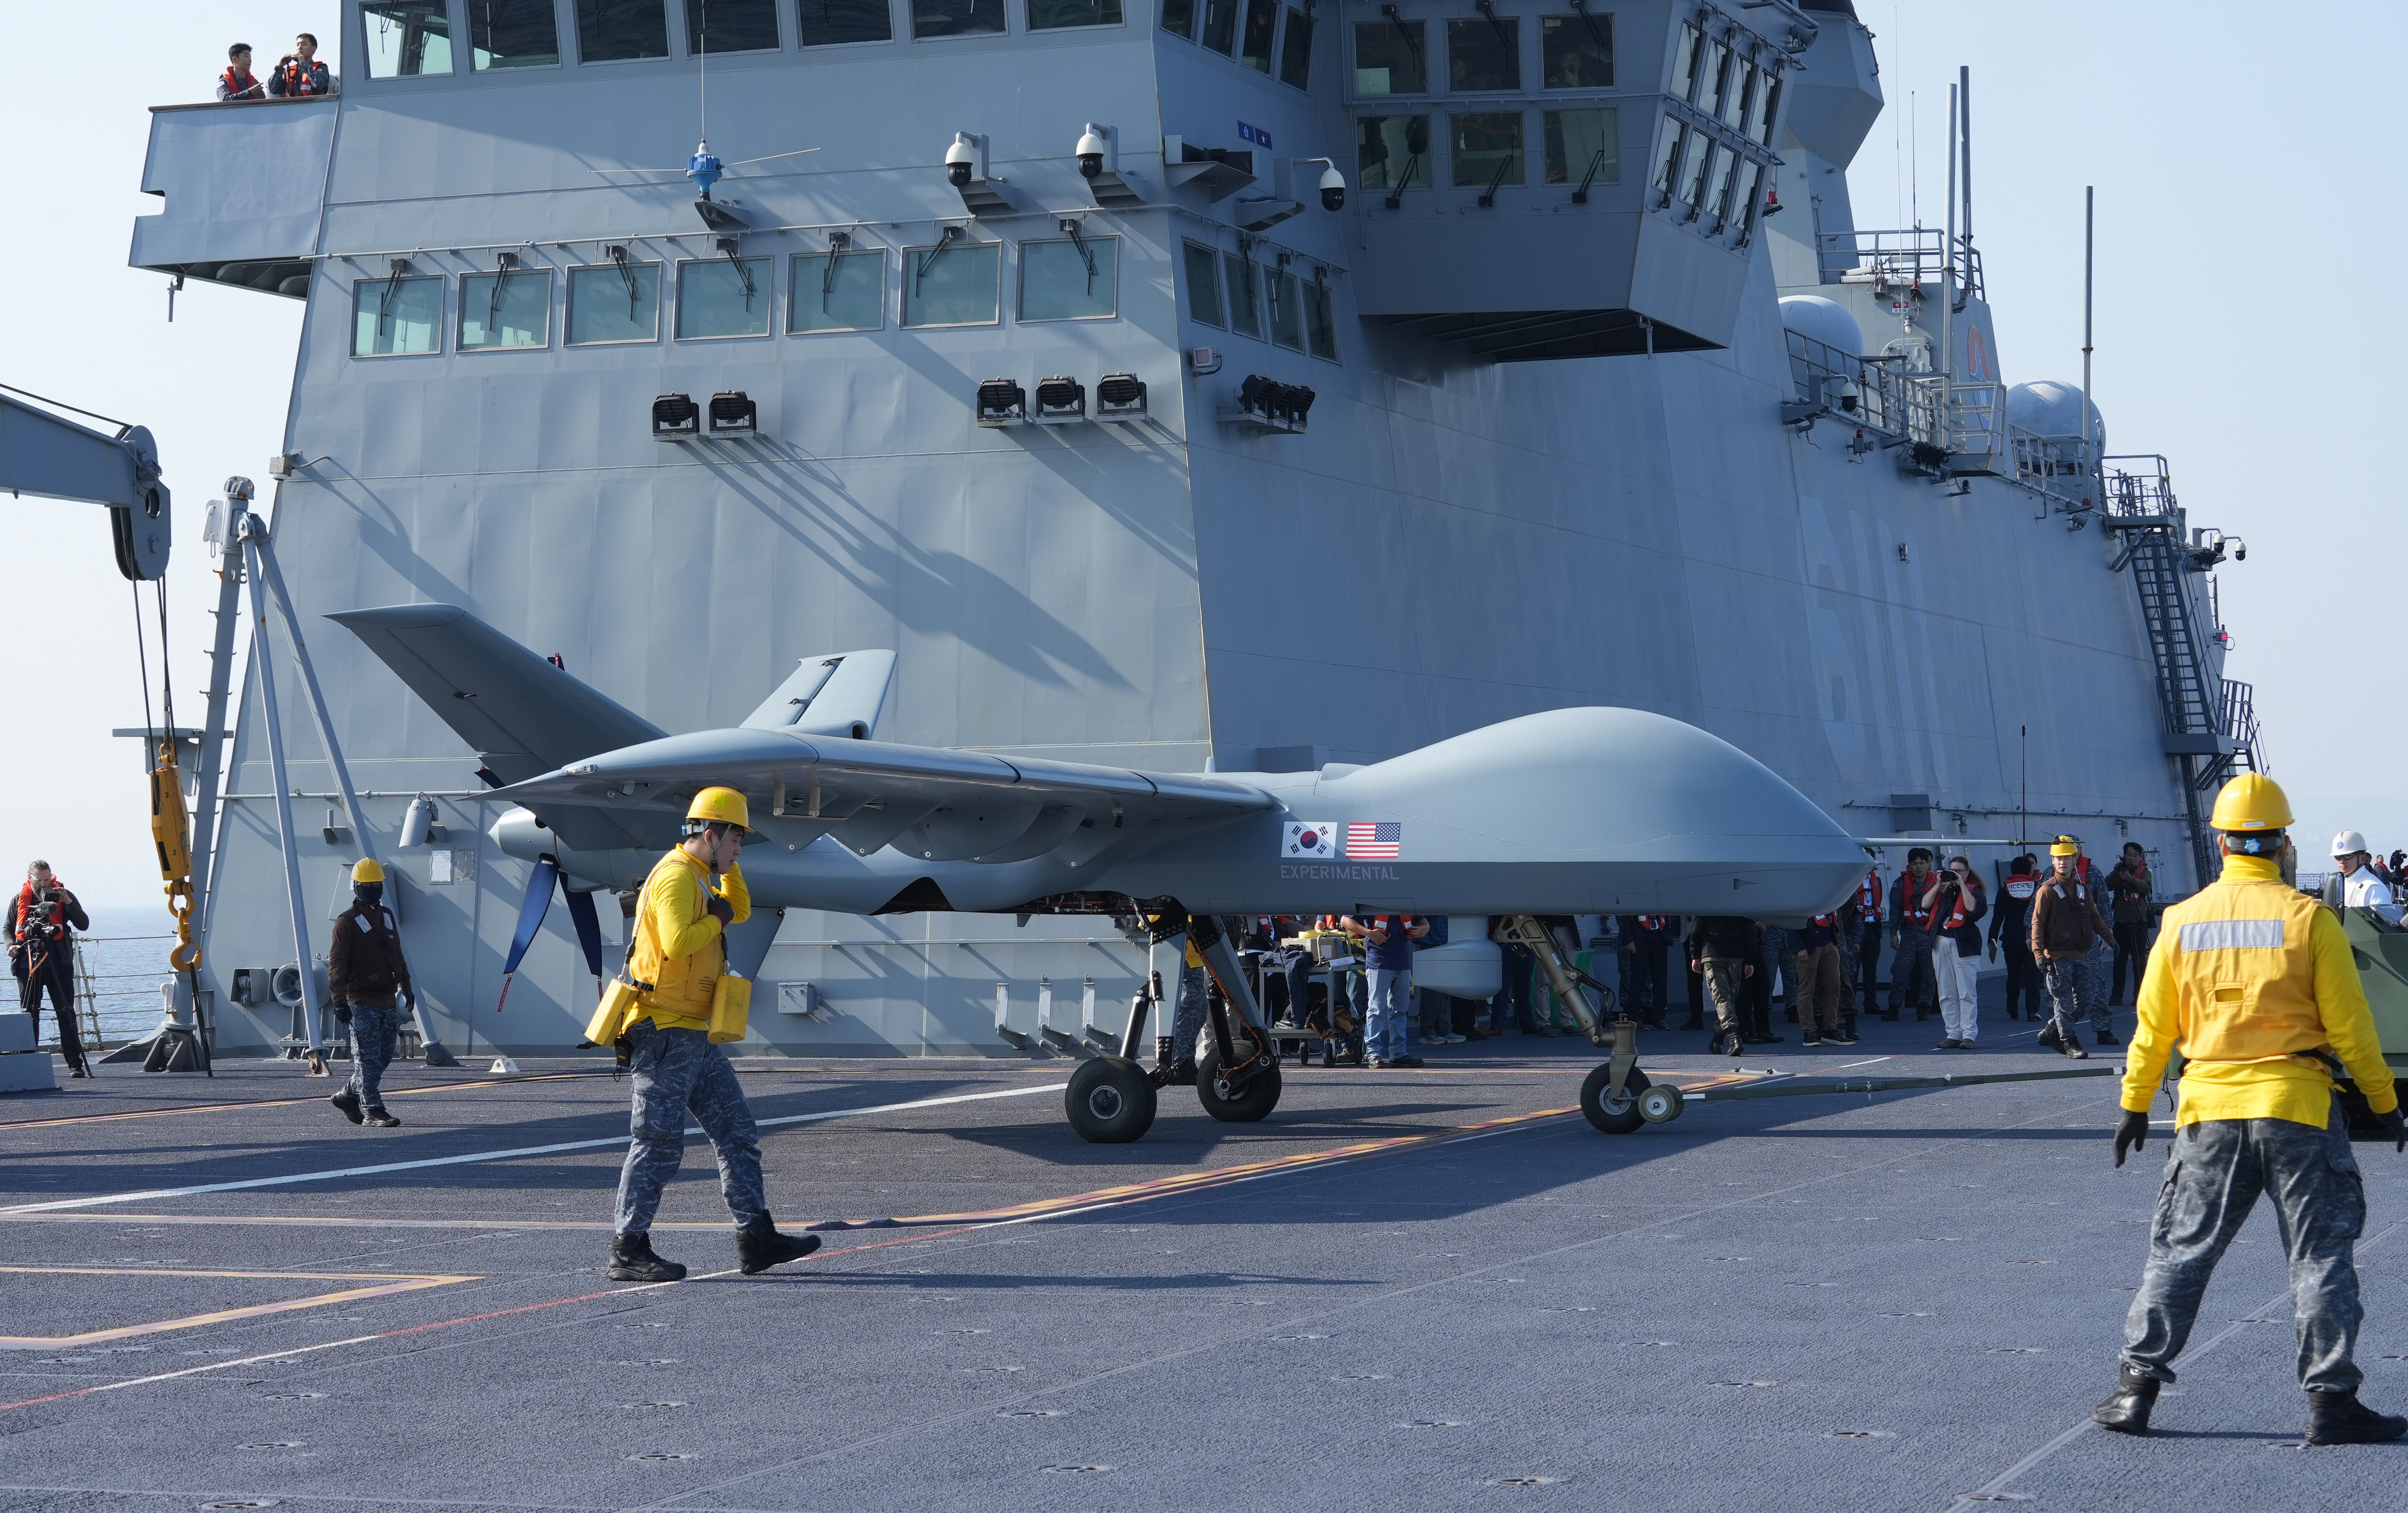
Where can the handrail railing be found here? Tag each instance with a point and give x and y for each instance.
(1913, 259)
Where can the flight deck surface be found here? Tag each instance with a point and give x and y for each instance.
(1405, 1289)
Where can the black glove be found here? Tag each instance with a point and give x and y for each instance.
(2395, 1125)
(2131, 1135)
(721, 909)
(343, 1013)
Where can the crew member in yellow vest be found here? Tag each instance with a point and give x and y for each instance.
(2255, 983)
(662, 1008)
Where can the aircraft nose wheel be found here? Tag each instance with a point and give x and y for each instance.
(1110, 1100)
(1245, 1101)
(1623, 1114)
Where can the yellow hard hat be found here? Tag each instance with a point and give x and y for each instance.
(721, 805)
(2066, 846)
(368, 869)
(2252, 800)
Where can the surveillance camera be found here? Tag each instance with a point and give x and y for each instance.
(1333, 189)
(2240, 553)
(959, 160)
(1090, 152)
(959, 173)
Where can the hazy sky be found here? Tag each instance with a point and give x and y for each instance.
(2223, 341)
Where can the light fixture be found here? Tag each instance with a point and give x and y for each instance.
(676, 418)
(733, 414)
(1275, 406)
(1120, 396)
(960, 159)
(417, 821)
(1060, 400)
(1001, 402)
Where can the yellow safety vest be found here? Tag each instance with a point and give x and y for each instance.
(2256, 984)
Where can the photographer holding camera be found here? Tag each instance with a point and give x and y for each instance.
(41, 954)
(1957, 903)
(300, 75)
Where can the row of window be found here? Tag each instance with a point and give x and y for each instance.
(1484, 148)
(1237, 294)
(1701, 170)
(1257, 43)
(1482, 54)
(954, 283)
(406, 38)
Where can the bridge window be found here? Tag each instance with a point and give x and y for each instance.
(1262, 21)
(1245, 312)
(1052, 15)
(1203, 268)
(1685, 59)
(407, 37)
(511, 308)
(954, 284)
(512, 34)
(1069, 280)
(1580, 143)
(732, 25)
(1485, 146)
(1392, 152)
(1736, 94)
(1221, 24)
(1287, 309)
(1296, 50)
(614, 302)
(1576, 51)
(824, 23)
(837, 291)
(1767, 103)
(719, 297)
(397, 317)
(1388, 58)
(1483, 53)
(614, 31)
(1320, 322)
(956, 18)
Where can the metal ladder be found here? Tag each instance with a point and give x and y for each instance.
(2202, 715)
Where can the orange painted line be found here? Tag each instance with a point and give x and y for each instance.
(392, 1285)
(286, 1102)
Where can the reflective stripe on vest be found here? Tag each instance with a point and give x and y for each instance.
(2233, 934)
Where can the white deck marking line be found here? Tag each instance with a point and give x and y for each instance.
(2005, 1479)
(1844, 1065)
(498, 1155)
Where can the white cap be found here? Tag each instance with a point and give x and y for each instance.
(2348, 841)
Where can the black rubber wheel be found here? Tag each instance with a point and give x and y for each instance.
(1110, 1100)
(1623, 1116)
(1256, 1098)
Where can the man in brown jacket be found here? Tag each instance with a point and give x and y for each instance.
(2064, 924)
(364, 971)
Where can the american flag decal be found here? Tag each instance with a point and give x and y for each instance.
(1384, 840)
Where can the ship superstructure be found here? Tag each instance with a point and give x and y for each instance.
(1019, 338)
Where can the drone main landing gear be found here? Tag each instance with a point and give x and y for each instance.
(1617, 1097)
(1237, 1076)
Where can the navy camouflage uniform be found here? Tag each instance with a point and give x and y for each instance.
(677, 1072)
(366, 970)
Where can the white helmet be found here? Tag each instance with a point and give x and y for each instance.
(2348, 841)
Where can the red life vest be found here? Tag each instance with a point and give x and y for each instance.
(1911, 907)
(239, 87)
(1827, 922)
(299, 79)
(1955, 919)
(1654, 923)
(25, 909)
(1868, 896)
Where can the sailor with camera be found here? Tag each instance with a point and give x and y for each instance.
(42, 922)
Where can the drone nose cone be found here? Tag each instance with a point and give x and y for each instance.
(1618, 789)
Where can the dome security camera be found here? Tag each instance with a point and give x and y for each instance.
(959, 160)
(1333, 189)
(1090, 154)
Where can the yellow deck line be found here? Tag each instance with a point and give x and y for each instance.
(392, 1284)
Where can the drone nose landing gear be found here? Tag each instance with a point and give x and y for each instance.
(1617, 1097)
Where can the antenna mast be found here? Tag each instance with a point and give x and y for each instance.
(2089, 221)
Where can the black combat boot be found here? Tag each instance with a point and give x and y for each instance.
(2127, 1409)
(760, 1247)
(632, 1261)
(1183, 1075)
(349, 1102)
(2106, 1037)
(2048, 1036)
(2341, 1419)
(2071, 1049)
(378, 1119)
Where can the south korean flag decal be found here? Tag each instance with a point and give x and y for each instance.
(1309, 837)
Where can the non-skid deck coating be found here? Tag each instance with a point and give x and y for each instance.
(1892, 1302)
